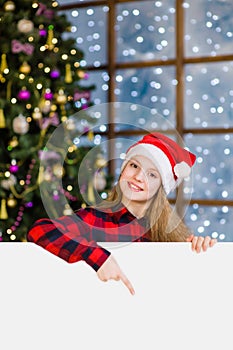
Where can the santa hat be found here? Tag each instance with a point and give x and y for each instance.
(172, 161)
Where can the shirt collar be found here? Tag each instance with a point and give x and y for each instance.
(120, 210)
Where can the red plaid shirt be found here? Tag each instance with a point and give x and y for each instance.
(74, 238)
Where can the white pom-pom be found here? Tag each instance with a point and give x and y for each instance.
(182, 170)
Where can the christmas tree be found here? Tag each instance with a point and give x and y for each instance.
(40, 88)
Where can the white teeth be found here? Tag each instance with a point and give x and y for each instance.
(135, 187)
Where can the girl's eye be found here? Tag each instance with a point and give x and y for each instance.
(152, 175)
(133, 165)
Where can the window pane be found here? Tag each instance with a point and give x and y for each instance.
(153, 88)
(213, 19)
(214, 221)
(98, 79)
(145, 30)
(89, 30)
(209, 95)
(212, 172)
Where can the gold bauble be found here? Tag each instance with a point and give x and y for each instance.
(14, 142)
(11, 202)
(58, 170)
(36, 114)
(46, 176)
(25, 68)
(70, 124)
(61, 97)
(99, 181)
(2, 119)
(100, 162)
(53, 108)
(67, 210)
(9, 6)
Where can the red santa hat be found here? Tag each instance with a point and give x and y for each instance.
(172, 161)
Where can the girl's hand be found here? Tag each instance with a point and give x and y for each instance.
(201, 243)
(111, 270)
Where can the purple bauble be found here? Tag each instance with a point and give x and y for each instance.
(56, 197)
(48, 95)
(55, 74)
(13, 168)
(24, 94)
(29, 204)
(42, 32)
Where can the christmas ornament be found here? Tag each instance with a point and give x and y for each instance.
(67, 210)
(48, 95)
(82, 75)
(52, 120)
(45, 106)
(25, 26)
(36, 114)
(3, 65)
(13, 142)
(55, 74)
(68, 75)
(2, 119)
(42, 32)
(70, 124)
(56, 196)
(25, 68)
(24, 94)
(90, 135)
(14, 168)
(100, 161)
(90, 192)
(9, 6)
(78, 95)
(99, 181)
(11, 202)
(58, 170)
(17, 221)
(9, 182)
(43, 10)
(50, 37)
(29, 204)
(3, 212)
(20, 125)
(61, 97)
(17, 46)
(45, 176)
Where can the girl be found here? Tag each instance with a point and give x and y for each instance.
(136, 210)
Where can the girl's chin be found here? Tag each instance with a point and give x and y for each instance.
(134, 197)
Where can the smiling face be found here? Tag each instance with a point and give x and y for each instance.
(139, 182)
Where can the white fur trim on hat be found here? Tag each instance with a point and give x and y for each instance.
(182, 170)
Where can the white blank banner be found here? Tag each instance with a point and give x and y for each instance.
(183, 300)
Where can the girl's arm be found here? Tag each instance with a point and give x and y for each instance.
(69, 238)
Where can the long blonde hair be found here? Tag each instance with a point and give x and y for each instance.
(164, 224)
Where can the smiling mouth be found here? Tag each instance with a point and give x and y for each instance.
(134, 188)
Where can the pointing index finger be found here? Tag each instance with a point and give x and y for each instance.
(127, 283)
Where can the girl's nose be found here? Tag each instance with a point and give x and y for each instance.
(139, 175)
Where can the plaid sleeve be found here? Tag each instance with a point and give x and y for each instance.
(68, 239)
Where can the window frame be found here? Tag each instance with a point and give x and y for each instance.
(179, 62)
